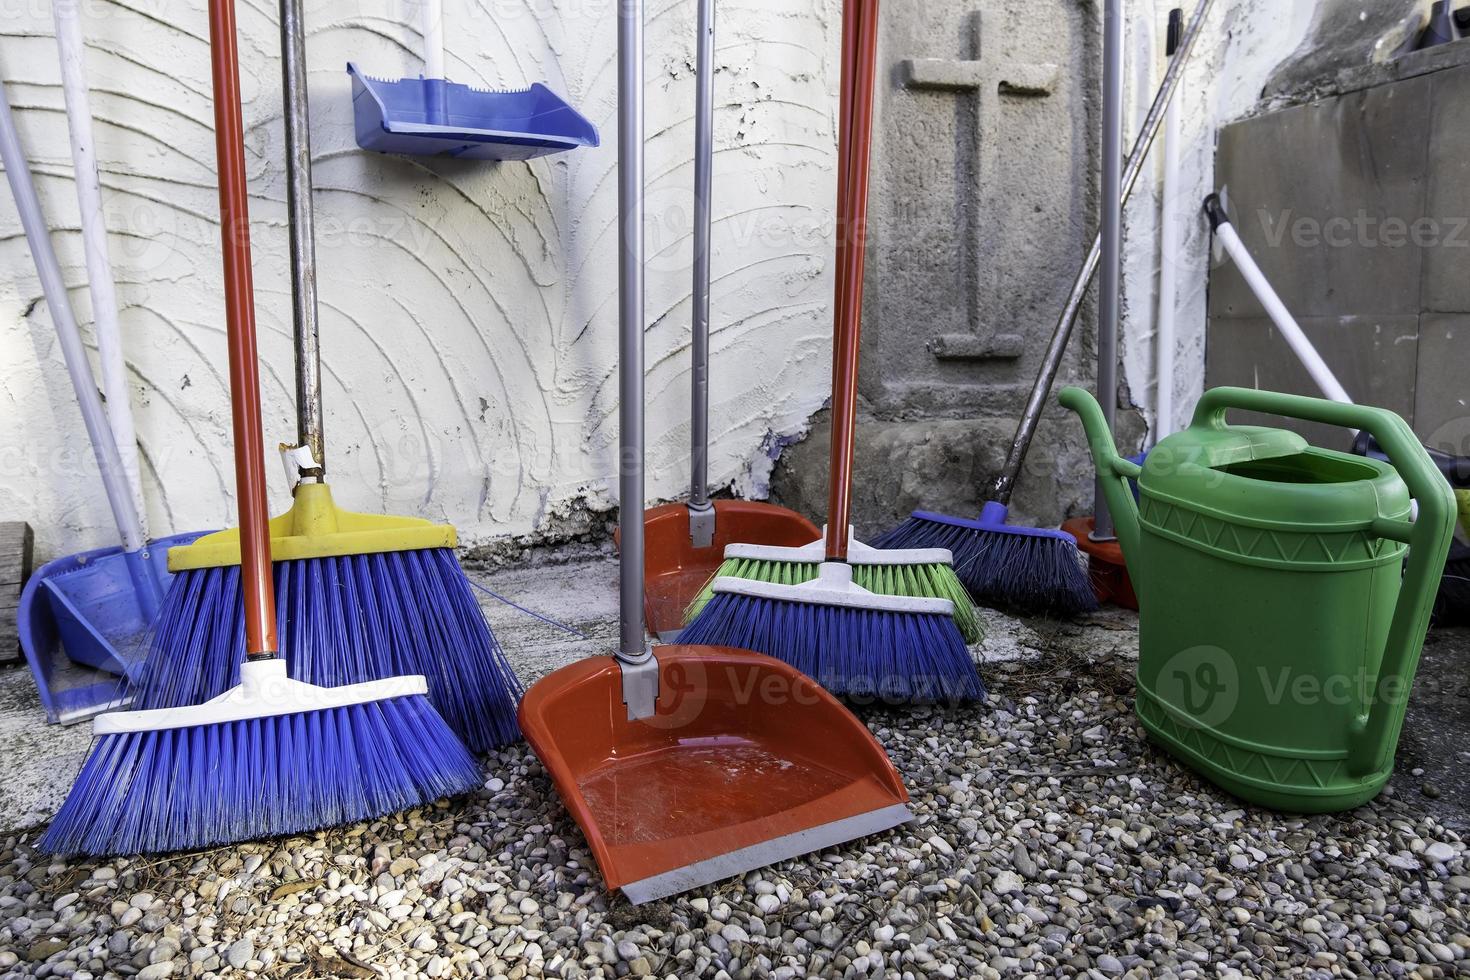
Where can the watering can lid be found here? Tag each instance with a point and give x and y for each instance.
(1352, 488)
(1213, 448)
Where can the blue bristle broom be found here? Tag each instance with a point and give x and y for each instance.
(343, 619)
(1038, 570)
(272, 756)
(359, 597)
(852, 641)
(1029, 569)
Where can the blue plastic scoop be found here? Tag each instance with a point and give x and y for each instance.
(84, 613)
(429, 116)
(434, 117)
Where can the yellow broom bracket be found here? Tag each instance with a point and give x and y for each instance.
(315, 527)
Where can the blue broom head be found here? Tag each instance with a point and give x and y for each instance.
(176, 789)
(343, 620)
(1026, 569)
(860, 654)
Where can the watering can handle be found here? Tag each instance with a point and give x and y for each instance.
(1376, 730)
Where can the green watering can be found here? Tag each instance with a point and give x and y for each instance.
(1278, 629)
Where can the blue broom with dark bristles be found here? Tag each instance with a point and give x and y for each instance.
(272, 756)
(1029, 569)
(852, 641)
(359, 597)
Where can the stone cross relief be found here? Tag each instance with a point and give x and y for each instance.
(992, 80)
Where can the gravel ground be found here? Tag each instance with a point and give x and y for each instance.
(1050, 840)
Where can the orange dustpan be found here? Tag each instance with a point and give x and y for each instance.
(692, 764)
(745, 762)
(686, 546)
(686, 542)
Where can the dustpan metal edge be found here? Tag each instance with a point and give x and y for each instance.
(767, 853)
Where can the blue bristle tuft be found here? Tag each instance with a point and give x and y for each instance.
(854, 653)
(186, 788)
(343, 620)
(1024, 571)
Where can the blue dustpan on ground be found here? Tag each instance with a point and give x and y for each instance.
(84, 622)
(81, 618)
(434, 117)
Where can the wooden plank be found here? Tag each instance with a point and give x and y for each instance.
(17, 546)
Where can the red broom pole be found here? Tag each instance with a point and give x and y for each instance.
(860, 48)
(229, 136)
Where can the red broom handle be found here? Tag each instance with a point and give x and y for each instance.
(854, 154)
(229, 141)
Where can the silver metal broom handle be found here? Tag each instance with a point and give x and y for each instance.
(704, 125)
(633, 649)
(303, 239)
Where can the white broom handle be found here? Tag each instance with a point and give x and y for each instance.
(18, 172)
(1261, 286)
(100, 284)
(433, 27)
(1170, 246)
(1170, 249)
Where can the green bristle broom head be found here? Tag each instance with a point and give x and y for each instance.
(934, 580)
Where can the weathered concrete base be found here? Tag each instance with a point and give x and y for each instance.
(945, 465)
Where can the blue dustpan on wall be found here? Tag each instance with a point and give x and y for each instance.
(429, 116)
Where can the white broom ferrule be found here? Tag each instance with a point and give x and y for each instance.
(265, 691)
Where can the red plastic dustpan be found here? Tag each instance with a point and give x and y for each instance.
(684, 765)
(686, 542)
(677, 566)
(746, 762)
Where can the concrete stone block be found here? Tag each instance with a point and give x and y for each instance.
(1447, 261)
(982, 194)
(1326, 197)
(945, 466)
(1442, 395)
(1375, 358)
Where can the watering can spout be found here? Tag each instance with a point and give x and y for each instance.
(1115, 470)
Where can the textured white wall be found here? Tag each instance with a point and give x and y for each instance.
(1244, 41)
(469, 315)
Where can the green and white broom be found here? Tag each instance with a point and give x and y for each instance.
(807, 606)
(926, 573)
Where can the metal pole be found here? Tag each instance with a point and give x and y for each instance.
(704, 124)
(1112, 241)
(304, 318)
(100, 283)
(632, 647)
(68, 337)
(1004, 485)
